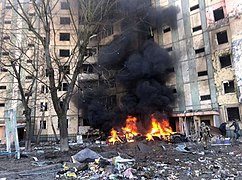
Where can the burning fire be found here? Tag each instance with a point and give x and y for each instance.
(114, 137)
(130, 130)
(158, 129)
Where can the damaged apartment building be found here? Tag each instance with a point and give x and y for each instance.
(206, 78)
(207, 75)
(43, 114)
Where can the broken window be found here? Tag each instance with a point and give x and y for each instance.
(64, 87)
(167, 30)
(225, 60)
(30, 45)
(5, 53)
(174, 90)
(43, 106)
(28, 93)
(3, 69)
(7, 22)
(65, 20)
(61, 104)
(90, 52)
(228, 86)
(202, 73)
(218, 14)
(197, 28)
(233, 113)
(44, 89)
(46, 72)
(65, 69)
(64, 36)
(65, 5)
(43, 124)
(6, 37)
(222, 37)
(3, 87)
(205, 97)
(194, 7)
(8, 7)
(32, 14)
(64, 53)
(169, 49)
(87, 68)
(200, 50)
(29, 77)
(2, 104)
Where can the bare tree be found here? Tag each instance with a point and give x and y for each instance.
(85, 19)
(18, 61)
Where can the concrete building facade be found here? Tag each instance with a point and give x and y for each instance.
(206, 45)
(63, 40)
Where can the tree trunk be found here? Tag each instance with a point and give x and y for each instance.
(53, 128)
(64, 145)
(28, 130)
(40, 128)
(39, 133)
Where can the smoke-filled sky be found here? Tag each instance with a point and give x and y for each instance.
(142, 66)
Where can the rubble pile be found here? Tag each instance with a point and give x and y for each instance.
(138, 160)
(159, 161)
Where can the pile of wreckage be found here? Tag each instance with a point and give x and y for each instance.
(141, 160)
(175, 159)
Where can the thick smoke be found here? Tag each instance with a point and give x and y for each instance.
(142, 66)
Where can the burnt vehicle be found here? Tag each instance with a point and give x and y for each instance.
(178, 138)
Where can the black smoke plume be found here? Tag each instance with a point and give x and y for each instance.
(142, 67)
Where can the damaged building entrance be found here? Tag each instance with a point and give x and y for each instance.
(21, 133)
(174, 123)
(189, 123)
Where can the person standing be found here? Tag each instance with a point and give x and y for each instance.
(222, 129)
(236, 128)
(205, 134)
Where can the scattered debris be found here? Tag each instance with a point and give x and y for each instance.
(41, 163)
(183, 148)
(156, 160)
(128, 173)
(85, 155)
(221, 141)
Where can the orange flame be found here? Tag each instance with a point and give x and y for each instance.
(158, 129)
(114, 137)
(130, 130)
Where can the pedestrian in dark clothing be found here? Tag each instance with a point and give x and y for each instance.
(222, 129)
(236, 128)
